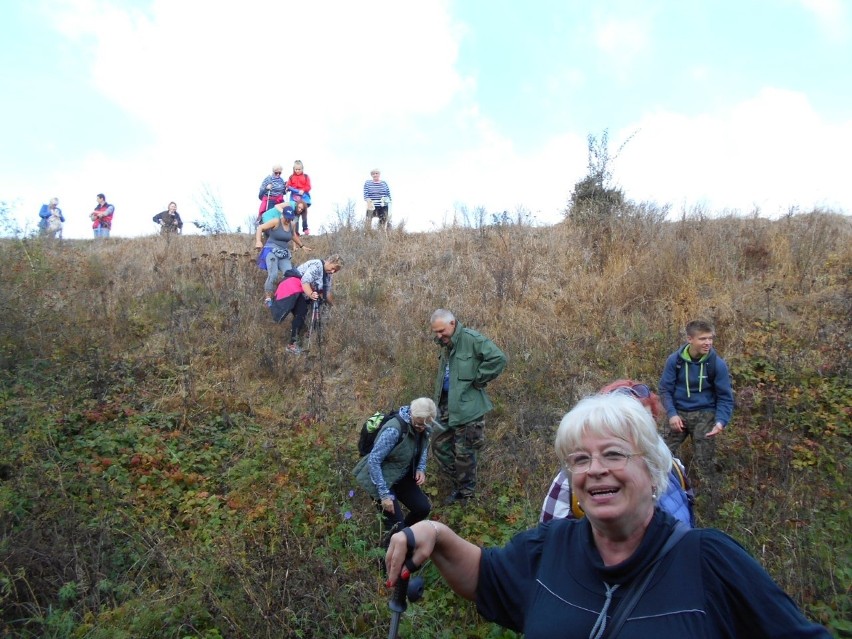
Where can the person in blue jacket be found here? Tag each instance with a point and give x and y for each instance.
(51, 219)
(627, 562)
(695, 389)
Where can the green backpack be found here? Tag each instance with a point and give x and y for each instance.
(371, 428)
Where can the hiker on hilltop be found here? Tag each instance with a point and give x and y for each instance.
(308, 283)
(562, 503)
(627, 569)
(395, 469)
(169, 220)
(299, 187)
(51, 219)
(468, 361)
(377, 197)
(271, 191)
(102, 217)
(696, 391)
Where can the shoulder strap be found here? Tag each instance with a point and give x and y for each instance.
(711, 367)
(637, 588)
(403, 426)
(576, 509)
(679, 472)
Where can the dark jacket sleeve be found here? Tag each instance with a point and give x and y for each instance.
(724, 393)
(667, 385)
(507, 578)
(743, 597)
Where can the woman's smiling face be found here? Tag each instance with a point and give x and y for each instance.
(613, 495)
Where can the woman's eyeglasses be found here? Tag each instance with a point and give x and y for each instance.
(579, 463)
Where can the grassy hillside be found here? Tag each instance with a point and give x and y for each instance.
(168, 471)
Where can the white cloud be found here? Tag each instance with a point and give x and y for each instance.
(226, 93)
(772, 151)
(831, 15)
(223, 96)
(623, 42)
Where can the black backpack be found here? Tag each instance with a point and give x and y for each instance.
(371, 428)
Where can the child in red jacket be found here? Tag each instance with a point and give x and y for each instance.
(299, 185)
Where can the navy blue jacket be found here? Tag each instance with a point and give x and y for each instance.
(551, 582)
(689, 385)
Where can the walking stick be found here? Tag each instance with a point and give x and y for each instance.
(315, 318)
(316, 326)
(405, 590)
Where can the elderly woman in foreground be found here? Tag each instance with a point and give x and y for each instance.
(627, 569)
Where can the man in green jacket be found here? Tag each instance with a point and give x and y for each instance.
(468, 362)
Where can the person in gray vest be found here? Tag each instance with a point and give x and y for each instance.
(395, 469)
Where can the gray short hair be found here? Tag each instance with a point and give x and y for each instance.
(616, 415)
(442, 315)
(335, 259)
(424, 407)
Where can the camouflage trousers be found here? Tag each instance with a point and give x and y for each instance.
(697, 424)
(456, 450)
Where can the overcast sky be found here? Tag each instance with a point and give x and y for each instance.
(731, 104)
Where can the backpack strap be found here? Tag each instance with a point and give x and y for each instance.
(679, 472)
(576, 509)
(637, 588)
(403, 426)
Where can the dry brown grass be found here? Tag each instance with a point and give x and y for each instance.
(194, 303)
(176, 325)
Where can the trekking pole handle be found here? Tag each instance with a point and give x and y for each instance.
(399, 601)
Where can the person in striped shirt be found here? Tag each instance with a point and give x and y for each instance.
(271, 191)
(377, 197)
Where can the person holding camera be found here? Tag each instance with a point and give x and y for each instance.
(169, 220)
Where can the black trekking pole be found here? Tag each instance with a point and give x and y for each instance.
(316, 323)
(409, 589)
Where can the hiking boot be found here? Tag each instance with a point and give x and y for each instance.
(457, 498)
(294, 349)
